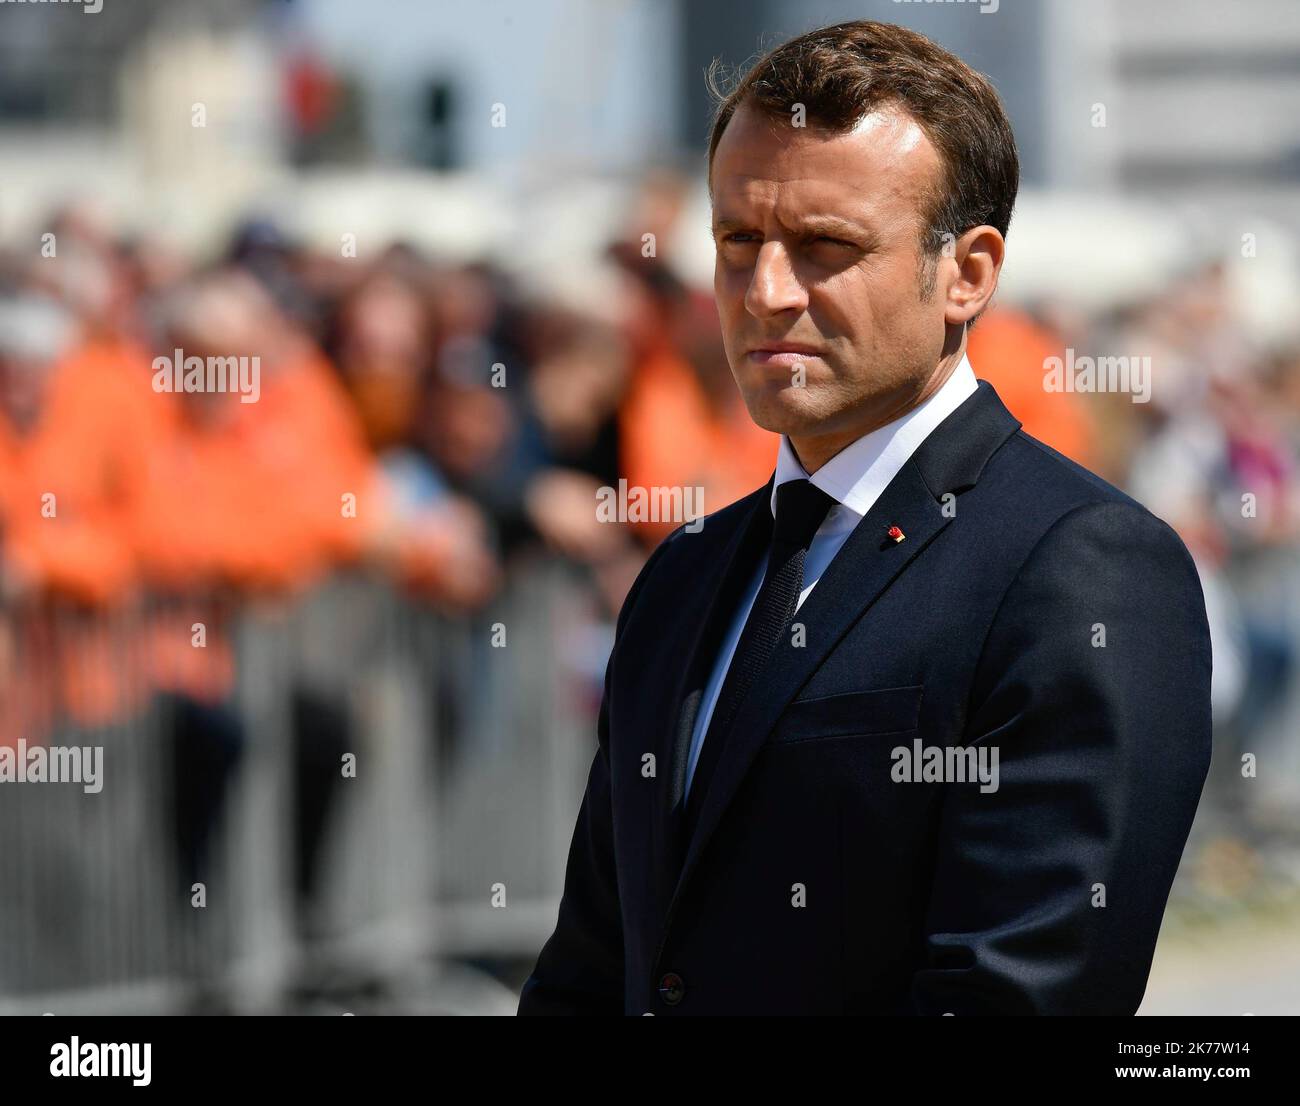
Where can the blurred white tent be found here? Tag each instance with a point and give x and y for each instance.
(1100, 252)
(457, 217)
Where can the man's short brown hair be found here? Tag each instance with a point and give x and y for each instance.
(842, 73)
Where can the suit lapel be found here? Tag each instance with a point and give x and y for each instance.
(948, 461)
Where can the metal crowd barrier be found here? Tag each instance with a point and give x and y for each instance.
(448, 842)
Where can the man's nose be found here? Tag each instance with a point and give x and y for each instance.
(774, 287)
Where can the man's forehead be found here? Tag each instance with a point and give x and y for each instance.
(758, 152)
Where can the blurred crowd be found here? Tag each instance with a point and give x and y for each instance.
(415, 421)
(426, 423)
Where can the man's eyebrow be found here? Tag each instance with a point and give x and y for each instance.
(720, 225)
(810, 224)
(831, 224)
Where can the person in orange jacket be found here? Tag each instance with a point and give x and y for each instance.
(1009, 350)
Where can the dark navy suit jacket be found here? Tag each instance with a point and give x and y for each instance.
(1030, 608)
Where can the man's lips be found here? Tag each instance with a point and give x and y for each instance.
(784, 354)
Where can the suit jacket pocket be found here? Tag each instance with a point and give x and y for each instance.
(880, 711)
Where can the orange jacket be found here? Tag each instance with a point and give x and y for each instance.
(1008, 349)
(670, 437)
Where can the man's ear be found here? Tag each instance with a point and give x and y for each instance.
(978, 257)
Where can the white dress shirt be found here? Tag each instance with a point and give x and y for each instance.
(854, 478)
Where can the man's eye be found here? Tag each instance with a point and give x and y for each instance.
(739, 236)
(832, 241)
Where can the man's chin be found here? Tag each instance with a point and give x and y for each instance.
(787, 411)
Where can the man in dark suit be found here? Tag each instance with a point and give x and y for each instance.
(919, 726)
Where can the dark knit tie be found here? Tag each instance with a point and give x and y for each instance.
(800, 509)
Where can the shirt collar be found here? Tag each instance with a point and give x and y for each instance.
(858, 473)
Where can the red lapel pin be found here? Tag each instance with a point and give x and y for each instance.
(895, 533)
